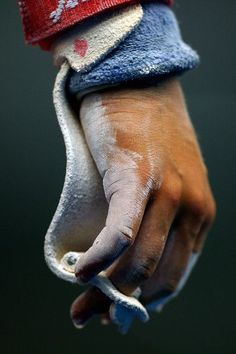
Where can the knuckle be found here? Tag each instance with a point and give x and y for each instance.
(172, 281)
(170, 287)
(172, 191)
(197, 203)
(144, 269)
(120, 180)
(125, 235)
(210, 211)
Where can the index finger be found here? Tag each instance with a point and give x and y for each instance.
(126, 208)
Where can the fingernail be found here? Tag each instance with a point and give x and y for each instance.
(79, 322)
(84, 277)
(81, 276)
(80, 319)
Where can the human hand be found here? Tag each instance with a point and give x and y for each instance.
(156, 184)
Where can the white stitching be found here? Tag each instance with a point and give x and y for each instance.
(55, 15)
(71, 4)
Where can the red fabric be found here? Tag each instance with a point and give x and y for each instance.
(38, 25)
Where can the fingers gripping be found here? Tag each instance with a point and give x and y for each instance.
(126, 190)
(126, 207)
(174, 269)
(139, 262)
(86, 305)
(182, 250)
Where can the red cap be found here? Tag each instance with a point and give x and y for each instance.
(43, 19)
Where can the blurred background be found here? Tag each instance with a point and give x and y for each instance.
(35, 304)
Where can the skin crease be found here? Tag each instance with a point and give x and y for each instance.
(156, 184)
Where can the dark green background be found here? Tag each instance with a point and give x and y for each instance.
(35, 304)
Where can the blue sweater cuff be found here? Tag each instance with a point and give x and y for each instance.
(152, 50)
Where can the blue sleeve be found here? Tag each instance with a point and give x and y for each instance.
(153, 50)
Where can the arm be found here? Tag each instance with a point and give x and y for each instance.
(160, 202)
(156, 219)
(181, 209)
